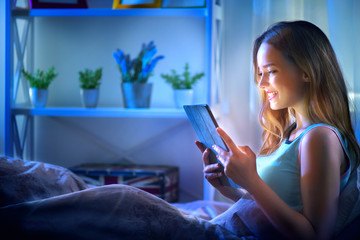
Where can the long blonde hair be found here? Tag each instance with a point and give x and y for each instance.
(307, 46)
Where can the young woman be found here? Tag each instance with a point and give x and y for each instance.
(309, 147)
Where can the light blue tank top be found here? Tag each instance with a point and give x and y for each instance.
(281, 169)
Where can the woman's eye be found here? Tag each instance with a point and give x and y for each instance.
(272, 71)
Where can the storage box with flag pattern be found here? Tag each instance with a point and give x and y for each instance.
(162, 181)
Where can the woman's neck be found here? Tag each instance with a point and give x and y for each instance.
(301, 124)
(302, 121)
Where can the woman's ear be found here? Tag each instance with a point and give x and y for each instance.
(306, 77)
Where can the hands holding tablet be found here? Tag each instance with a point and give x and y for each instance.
(238, 164)
(227, 167)
(214, 172)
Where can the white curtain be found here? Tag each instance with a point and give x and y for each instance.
(344, 26)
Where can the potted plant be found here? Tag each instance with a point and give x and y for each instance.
(135, 75)
(182, 85)
(39, 83)
(89, 87)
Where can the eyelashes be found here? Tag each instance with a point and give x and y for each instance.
(269, 72)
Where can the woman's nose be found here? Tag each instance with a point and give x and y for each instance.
(263, 82)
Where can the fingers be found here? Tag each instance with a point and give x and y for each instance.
(205, 152)
(242, 149)
(221, 153)
(211, 176)
(205, 156)
(219, 150)
(212, 168)
(200, 145)
(246, 150)
(212, 171)
(229, 142)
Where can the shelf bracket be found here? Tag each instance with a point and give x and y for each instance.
(20, 138)
(20, 45)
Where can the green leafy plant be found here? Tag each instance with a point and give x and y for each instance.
(184, 81)
(90, 79)
(40, 79)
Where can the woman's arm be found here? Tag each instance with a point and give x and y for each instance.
(320, 157)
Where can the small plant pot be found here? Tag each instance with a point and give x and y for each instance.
(38, 97)
(136, 95)
(183, 97)
(89, 97)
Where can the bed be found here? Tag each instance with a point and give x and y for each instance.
(45, 201)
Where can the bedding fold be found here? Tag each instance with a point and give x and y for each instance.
(22, 181)
(108, 212)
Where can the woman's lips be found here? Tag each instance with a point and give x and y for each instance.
(271, 94)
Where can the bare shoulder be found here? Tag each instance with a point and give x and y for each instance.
(323, 145)
(321, 135)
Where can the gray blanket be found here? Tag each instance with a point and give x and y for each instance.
(109, 212)
(44, 201)
(22, 181)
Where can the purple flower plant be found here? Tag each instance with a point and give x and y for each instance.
(139, 69)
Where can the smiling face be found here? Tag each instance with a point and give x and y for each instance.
(283, 81)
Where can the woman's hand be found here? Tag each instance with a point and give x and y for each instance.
(239, 163)
(213, 173)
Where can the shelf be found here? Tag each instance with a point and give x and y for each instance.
(101, 112)
(23, 123)
(103, 12)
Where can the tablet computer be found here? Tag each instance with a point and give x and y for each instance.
(204, 124)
